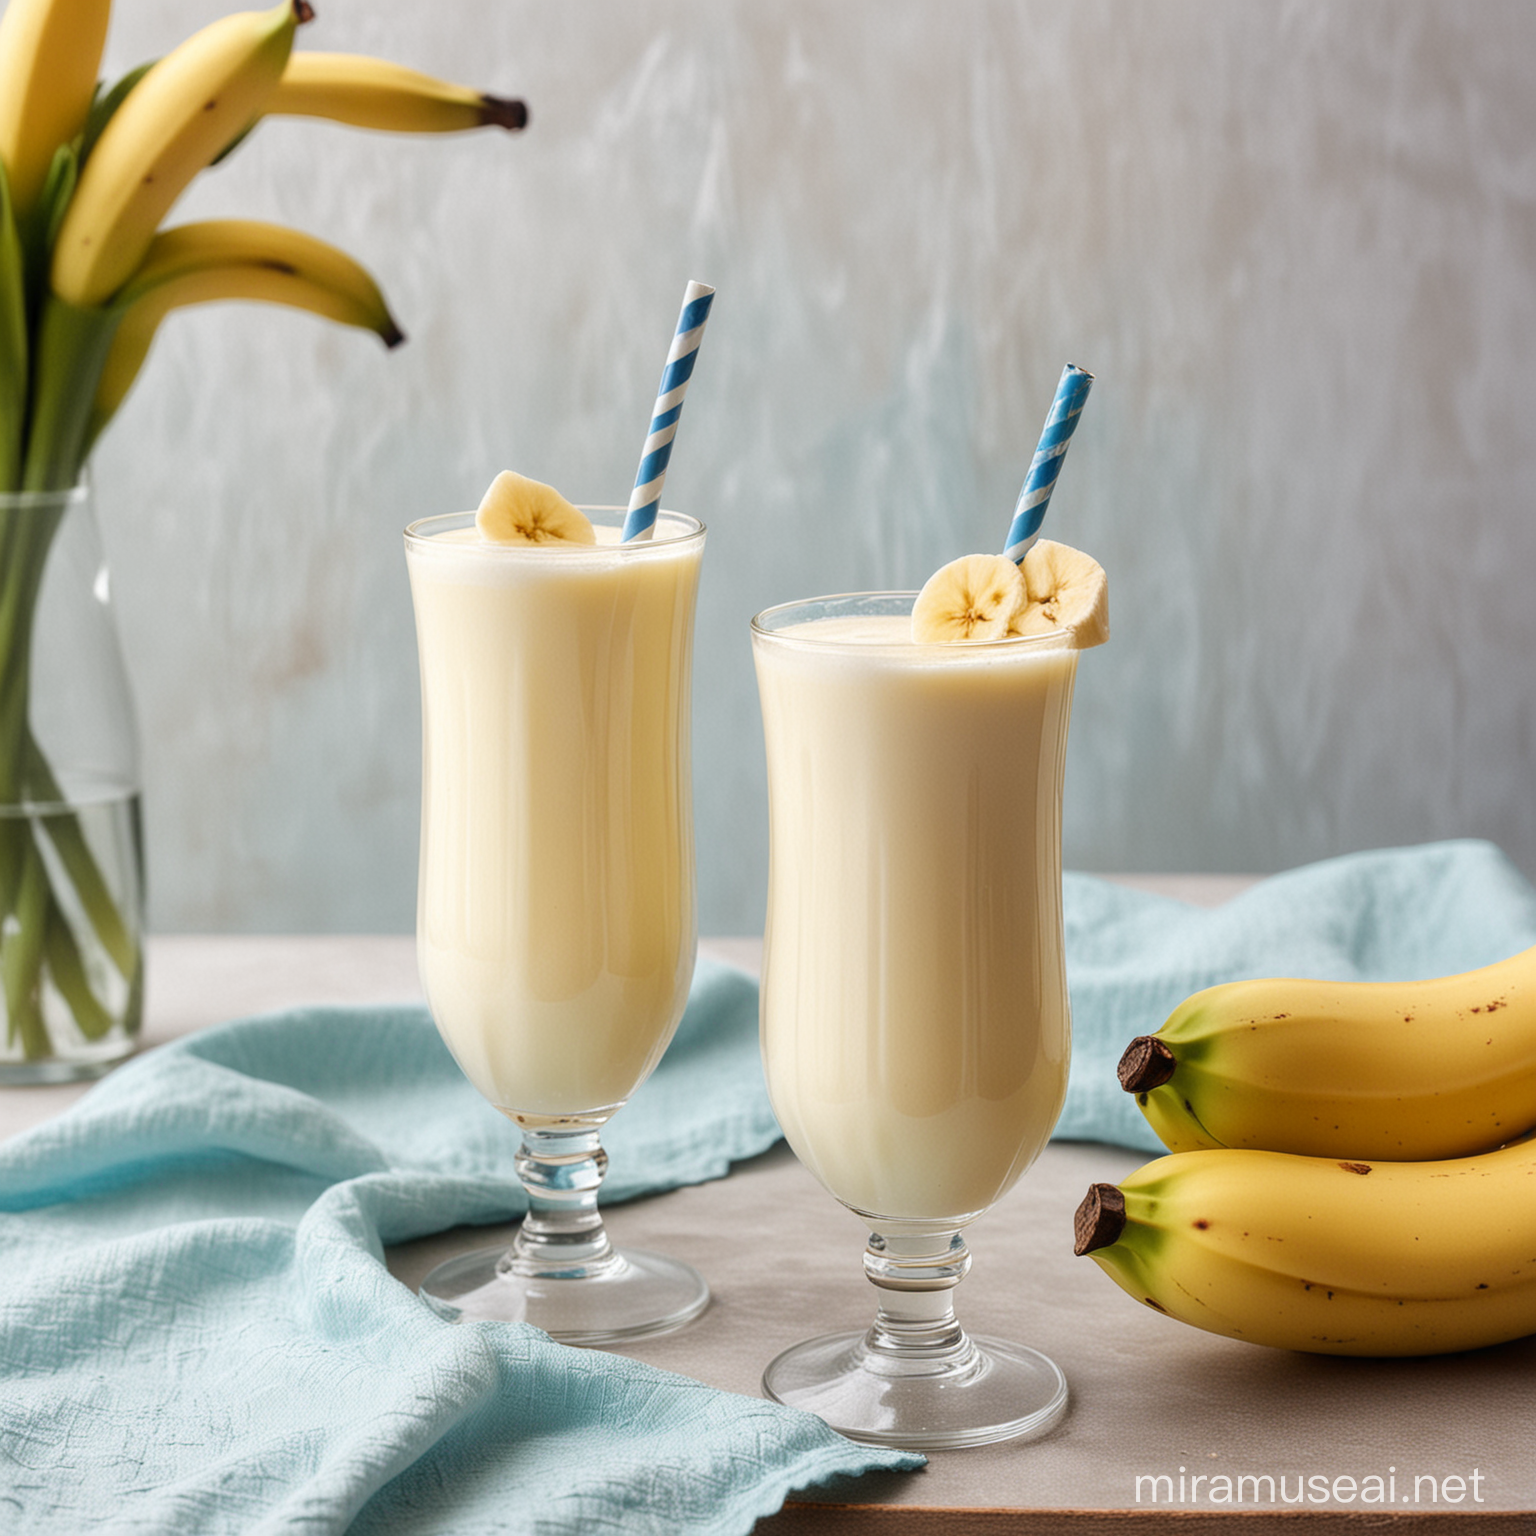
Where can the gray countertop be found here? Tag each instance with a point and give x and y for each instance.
(1151, 1398)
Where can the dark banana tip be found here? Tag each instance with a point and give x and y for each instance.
(499, 112)
(303, 11)
(1100, 1219)
(1147, 1063)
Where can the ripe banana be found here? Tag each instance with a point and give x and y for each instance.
(988, 597)
(517, 510)
(1336, 1257)
(374, 93)
(50, 51)
(1410, 1070)
(233, 259)
(187, 108)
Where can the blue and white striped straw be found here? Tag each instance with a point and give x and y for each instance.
(1029, 511)
(645, 499)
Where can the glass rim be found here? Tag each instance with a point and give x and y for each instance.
(70, 496)
(423, 530)
(1051, 639)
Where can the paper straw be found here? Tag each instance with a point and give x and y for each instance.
(1029, 511)
(645, 499)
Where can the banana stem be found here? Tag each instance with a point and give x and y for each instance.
(21, 955)
(68, 972)
(1099, 1220)
(34, 933)
(1146, 1064)
(72, 347)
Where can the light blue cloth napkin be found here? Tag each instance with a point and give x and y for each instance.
(198, 1335)
(197, 1332)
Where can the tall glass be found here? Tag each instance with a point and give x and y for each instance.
(915, 1026)
(556, 919)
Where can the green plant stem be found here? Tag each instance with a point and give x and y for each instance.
(72, 347)
(36, 932)
(21, 956)
(64, 965)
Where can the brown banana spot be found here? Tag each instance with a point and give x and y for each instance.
(1355, 1167)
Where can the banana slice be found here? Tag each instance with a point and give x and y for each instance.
(517, 510)
(976, 597)
(1066, 590)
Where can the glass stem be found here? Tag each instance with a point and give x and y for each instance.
(562, 1235)
(916, 1274)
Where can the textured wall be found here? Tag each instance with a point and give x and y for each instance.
(1295, 241)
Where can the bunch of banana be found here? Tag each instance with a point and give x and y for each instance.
(87, 274)
(1324, 1254)
(1401, 1070)
(232, 259)
(1350, 1172)
(88, 175)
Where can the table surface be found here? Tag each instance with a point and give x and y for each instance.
(1150, 1397)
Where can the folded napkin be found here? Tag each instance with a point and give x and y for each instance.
(198, 1334)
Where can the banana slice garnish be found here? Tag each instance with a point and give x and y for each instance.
(976, 597)
(517, 510)
(988, 597)
(1067, 590)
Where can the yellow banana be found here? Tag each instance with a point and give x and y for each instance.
(233, 259)
(50, 51)
(1337, 1257)
(374, 93)
(1410, 1070)
(188, 107)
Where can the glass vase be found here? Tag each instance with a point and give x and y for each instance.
(71, 850)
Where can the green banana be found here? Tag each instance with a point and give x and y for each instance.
(374, 93)
(186, 108)
(1401, 1070)
(233, 259)
(1337, 1257)
(50, 51)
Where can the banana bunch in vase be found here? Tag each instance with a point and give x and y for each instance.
(87, 174)
(1352, 1165)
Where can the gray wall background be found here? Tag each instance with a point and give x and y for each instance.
(1295, 241)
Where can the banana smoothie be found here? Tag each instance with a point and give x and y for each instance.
(915, 1026)
(556, 914)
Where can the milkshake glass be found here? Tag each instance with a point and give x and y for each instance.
(915, 1026)
(556, 918)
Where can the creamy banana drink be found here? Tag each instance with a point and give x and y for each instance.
(915, 1026)
(556, 912)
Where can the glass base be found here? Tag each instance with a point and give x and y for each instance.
(993, 1391)
(21, 1073)
(631, 1295)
